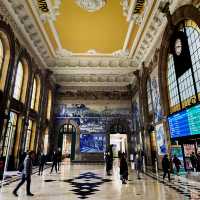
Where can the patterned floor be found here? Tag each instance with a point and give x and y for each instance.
(91, 182)
(182, 185)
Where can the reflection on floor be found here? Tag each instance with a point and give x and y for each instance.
(90, 182)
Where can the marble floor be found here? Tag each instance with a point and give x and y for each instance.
(80, 181)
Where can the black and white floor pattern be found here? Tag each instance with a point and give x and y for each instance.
(188, 188)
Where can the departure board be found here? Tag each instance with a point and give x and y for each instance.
(185, 123)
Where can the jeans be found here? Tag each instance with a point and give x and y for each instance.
(28, 183)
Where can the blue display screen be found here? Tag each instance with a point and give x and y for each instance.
(92, 143)
(185, 123)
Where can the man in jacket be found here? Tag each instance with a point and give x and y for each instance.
(26, 174)
(166, 167)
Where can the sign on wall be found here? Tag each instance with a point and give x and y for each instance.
(161, 140)
(42, 5)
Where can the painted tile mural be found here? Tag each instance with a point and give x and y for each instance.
(92, 120)
(157, 109)
(136, 112)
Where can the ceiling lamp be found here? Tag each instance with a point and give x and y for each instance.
(91, 5)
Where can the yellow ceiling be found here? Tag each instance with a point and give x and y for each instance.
(79, 31)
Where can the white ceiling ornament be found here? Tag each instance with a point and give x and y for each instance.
(91, 5)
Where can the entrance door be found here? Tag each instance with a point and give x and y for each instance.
(119, 143)
(67, 141)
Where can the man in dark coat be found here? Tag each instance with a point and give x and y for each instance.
(26, 174)
(108, 160)
(166, 167)
(42, 161)
(177, 164)
(55, 161)
(139, 164)
(123, 169)
(193, 160)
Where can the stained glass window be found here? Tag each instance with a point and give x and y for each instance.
(182, 90)
(18, 82)
(34, 92)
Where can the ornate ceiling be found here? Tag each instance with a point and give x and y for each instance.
(92, 45)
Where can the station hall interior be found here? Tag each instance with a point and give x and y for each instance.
(100, 82)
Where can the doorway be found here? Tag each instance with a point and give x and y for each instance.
(119, 143)
(67, 141)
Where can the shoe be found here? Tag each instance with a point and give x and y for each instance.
(15, 193)
(30, 194)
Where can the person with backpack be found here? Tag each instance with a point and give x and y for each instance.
(26, 174)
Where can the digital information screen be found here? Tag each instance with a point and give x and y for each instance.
(185, 123)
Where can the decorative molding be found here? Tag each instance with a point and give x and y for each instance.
(121, 53)
(53, 10)
(63, 53)
(125, 6)
(91, 5)
(15, 14)
(94, 95)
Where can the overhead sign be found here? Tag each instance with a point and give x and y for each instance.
(42, 4)
(185, 123)
(139, 6)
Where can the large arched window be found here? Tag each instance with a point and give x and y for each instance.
(1, 54)
(49, 104)
(34, 92)
(18, 81)
(185, 90)
(21, 80)
(4, 58)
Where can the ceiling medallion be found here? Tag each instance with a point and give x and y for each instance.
(91, 5)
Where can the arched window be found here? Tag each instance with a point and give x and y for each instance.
(34, 92)
(185, 89)
(49, 104)
(1, 54)
(18, 81)
(4, 58)
(21, 80)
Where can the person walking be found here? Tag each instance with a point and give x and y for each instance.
(139, 164)
(193, 160)
(177, 164)
(59, 158)
(55, 161)
(198, 162)
(166, 167)
(123, 169)
(42, 161)
(26, 174)
(108, 163)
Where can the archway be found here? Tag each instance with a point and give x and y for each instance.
(67, 140)
(118, 137)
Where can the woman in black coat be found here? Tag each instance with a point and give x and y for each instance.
(123, 169)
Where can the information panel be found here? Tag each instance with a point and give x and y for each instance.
(185, 123)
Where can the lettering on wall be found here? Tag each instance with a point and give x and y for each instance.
(139, 6)
(42, 4)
